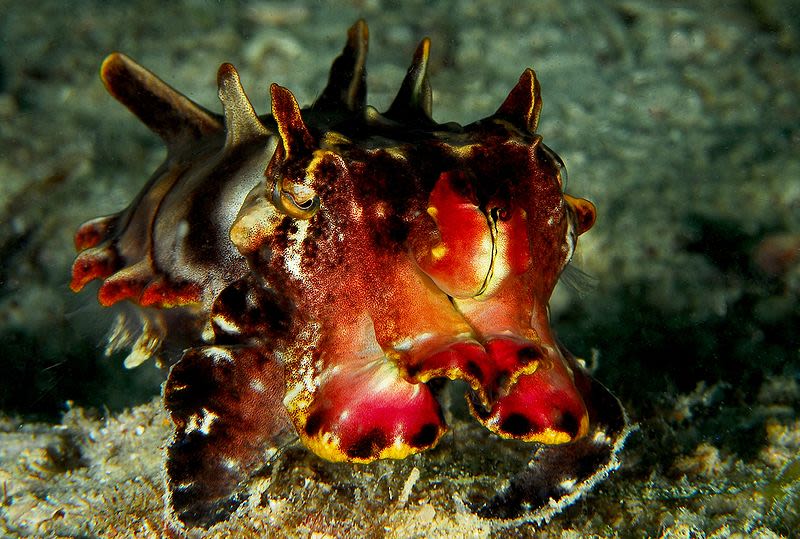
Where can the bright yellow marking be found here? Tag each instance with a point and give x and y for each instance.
(316, 160)
(400, 450)
(439, 251)
(333, 139)
(423, 67)
(397, 153)
(530, 368)
(432, 211)
(554, 437)
(549, 437)
(327, 446)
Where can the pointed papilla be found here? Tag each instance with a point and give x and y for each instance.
(92, 233)
(413, 100)
(295, 137)
(347, 82)
(170, 114)
(524, 104)
(126, 283)
(241, 121)
(93, 263)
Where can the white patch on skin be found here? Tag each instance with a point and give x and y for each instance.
(483, 261)
(208, 332)
(310, 381)
(232, 195)
(294, 253)
(569, 245)
(196, 423)
(501, 267)
(410, 342)
(226, 325)
(404, 345)
(385, 375)
(257, 386)
(208, 419)
(219, 355)
(230, 464)
(485, 248)
(193, 424)
(293, 393)
(329, 373)
(181, 231)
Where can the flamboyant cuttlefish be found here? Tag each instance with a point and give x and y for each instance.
(319, 267)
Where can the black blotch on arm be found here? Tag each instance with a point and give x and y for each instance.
(516, 425)
(425, 437)
(568, 423)
(369, 445)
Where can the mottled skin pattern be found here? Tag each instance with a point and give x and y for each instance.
(323, 265)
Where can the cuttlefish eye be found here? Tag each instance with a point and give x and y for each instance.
(298, 201)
